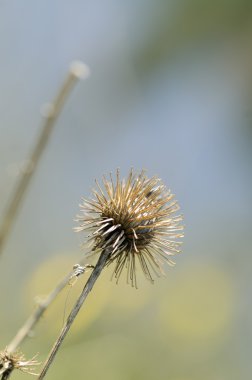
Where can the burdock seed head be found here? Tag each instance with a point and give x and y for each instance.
(137, 220)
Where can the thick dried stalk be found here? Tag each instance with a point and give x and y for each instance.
(87, 288)
(77, 71)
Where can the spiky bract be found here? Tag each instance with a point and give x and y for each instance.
(135, 218)
(11, 361)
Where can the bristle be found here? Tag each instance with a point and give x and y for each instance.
(136, 218)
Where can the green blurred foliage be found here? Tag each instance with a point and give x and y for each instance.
(192, 23)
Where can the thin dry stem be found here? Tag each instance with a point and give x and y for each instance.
(76, 72)
(30, 323)
(87, 288)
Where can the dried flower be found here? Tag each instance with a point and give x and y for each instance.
(137, 219)
(11, 361)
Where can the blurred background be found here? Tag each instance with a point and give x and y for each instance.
(171, 92)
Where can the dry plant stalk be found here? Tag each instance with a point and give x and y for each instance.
(34, 318)
(129, 221)
(77, 71)
(10, 359)
(75, 310)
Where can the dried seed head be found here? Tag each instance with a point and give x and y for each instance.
(11, 361)
(137, 219)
